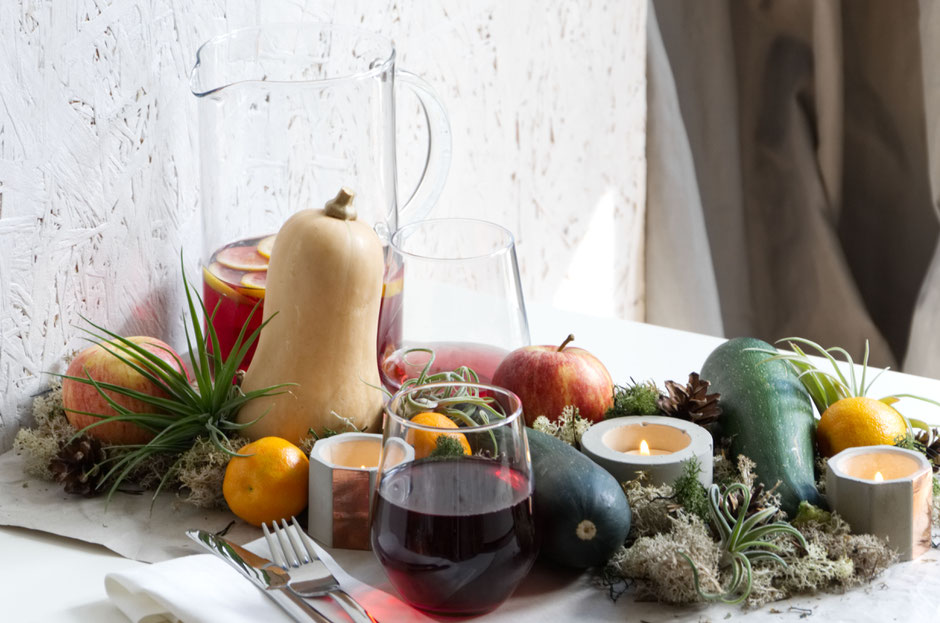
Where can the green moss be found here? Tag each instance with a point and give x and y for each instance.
(808, 512)
(446, 446)
(635, 399)
(689, 491)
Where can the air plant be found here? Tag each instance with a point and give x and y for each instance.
(744, 540)
(826, 388)
(458, 402)
(205, 407)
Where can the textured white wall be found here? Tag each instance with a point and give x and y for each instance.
(98, 168)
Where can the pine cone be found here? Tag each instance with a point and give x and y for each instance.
(691, 402)
(760, 499)
(76, 466)
(932, 450)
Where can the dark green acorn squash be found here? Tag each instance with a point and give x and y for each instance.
(581, 513)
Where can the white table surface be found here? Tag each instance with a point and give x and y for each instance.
(44, 577)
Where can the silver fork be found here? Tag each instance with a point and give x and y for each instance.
(291, 550)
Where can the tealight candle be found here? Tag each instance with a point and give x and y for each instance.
(885, 491)
(656, 445)
(645, 450)
(342, 477)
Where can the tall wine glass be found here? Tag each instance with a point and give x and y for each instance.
(452, 297)
(452, 520)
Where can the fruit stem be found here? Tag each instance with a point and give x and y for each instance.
(341, 206)
(570, 338)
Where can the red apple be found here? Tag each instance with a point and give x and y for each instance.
(549, 378)
(103, 366)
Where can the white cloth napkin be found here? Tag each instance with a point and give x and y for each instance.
(204, 589)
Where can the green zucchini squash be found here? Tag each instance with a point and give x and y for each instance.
(768, 416)
(581, 513)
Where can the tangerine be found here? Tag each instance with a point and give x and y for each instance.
(858, 421)
(269, 483)
(424, 441)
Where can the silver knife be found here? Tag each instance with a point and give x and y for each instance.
(261, 572)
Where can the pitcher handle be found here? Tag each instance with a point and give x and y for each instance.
(437, 163)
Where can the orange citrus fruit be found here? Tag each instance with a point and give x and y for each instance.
(216, 275)
(257, 279)
(425, 441)
(268, 485)
(858, 421)
(242, 258)
(266, 245)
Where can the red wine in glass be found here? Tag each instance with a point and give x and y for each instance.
(402, 365)
(455, 536)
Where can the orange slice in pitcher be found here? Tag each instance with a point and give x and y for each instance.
(391, 288)
(266, 245)
(242, 258)
(256, 280)
(216, 276)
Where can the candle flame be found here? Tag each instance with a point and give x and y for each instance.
(644, 448)
(362, 467)
(879, 477)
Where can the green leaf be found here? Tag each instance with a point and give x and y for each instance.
(205, 407)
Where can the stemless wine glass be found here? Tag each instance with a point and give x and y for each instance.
(452, 520)
(452, 291)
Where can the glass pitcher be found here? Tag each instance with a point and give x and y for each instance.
(288, 115)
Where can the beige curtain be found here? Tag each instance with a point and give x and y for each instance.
(792, 153)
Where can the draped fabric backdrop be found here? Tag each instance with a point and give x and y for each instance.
(792, 173)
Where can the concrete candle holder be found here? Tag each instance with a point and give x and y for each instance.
(342, 477)
(617, 445)
(885, 491)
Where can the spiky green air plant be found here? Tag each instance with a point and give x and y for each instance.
(204, 408)
(458, 403)
(743, 541)
(826, 388)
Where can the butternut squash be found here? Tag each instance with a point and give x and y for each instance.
(325, 284)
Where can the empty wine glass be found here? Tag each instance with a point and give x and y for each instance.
(452, 297)
(452, 518)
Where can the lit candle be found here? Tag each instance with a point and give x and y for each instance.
(885, 491)
(645, 450)
(655, 445)
(342, 477)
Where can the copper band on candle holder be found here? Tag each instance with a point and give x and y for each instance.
(351, 509)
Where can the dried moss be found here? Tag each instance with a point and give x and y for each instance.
(50, 431)
(870, 554)
(834, 560)
(935, 509)
(343, 425)
(665, 575)
(197, 473)
(201, 470)
(649, 507)
(569, 427)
